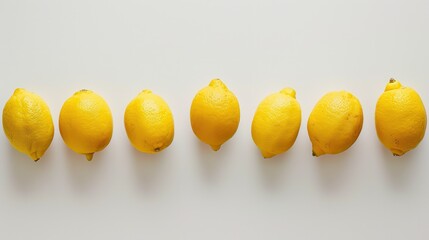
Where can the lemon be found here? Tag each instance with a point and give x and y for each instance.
(335, 123)
(27, 123)
(86, 123)
(215, 114)
(400, 118)
(276, 123)
(149, 123)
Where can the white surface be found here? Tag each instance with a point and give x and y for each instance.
(118, 48)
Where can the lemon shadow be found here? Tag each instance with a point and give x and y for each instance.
(148, 169)
(273, 170)
(25, 173)
(399, 169)
(83, 173)
(210, 162)
(332, 170)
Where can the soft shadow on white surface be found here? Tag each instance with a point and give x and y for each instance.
(211, 162)
(81, 171)
(25, 173)
(273, 169)
(332, 169)
(399, 170)
(148, 168)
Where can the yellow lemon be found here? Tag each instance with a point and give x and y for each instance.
(27, 123)
(149, 122)
(335, 123)
(215, 114)
(400, 118)
(86, 123)
(276, 123)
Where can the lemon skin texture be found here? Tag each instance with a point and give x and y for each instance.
(335, 123)
(276, 123)
(86, 123)
(215, 114)
(27, 123)
(400, 118)
(149, 123)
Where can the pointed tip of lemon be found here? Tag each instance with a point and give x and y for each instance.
(397, 153)
(215, 147)
(19, 90)
(89, 156)
(216, 82)
(34, 156)
(393, 84)
(317, 151)
(146, 91)
(266, 154)
(289, 91)
(83, 90)
(316, 154)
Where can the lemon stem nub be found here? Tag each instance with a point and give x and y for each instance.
(317, 152)
(215, 148)
(392, 80)
(157, 149)
(89, 156)
(267, 154)
(289, 91)
(34, 156)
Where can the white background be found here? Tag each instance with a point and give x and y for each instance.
(118, 48)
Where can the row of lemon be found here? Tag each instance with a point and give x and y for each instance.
(86, 124)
